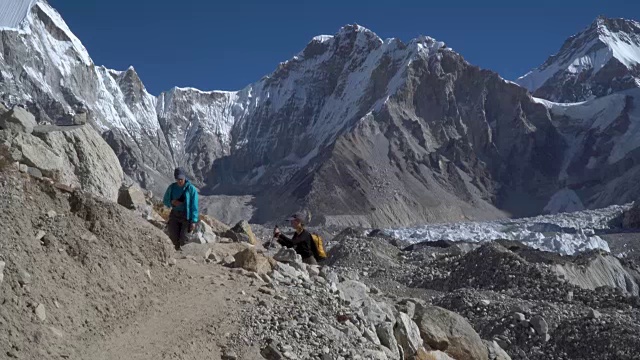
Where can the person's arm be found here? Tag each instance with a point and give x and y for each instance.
(194, 205)
(167, 197)
(284, 240)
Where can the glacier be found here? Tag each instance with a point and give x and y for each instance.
(565, 233)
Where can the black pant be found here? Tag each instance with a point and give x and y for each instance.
(178, 227)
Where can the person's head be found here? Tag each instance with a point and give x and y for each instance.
(180, 176)
(297, 221)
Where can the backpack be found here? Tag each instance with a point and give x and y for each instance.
(320, 254)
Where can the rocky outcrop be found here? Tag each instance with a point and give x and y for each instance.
(78, 158)
(88, 161)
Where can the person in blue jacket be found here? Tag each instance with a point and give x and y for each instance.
(182, 198)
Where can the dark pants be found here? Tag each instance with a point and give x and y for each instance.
(178, 228)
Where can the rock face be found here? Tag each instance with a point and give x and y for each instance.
(449, 332)
(631, 218)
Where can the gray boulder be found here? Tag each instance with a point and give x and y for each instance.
(407, 334)
(243, 227)
(495, 351)
(132, 197)
(540, 325)
(287, 255)
(354, 292)
(18, 120)
(449, 332)
(203, 234)
(2, 266)
(250, 260)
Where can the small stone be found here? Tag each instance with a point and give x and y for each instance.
(48, 239)
(173, 262)
(2, 265)
(290, 355)
(51, 214)
(518, 317)
(266, 278)
(230, 356)
(36, 173)
(40, 235)
(266, 290)
(570, 296)
(41, 312)
(148, 273)
(485, 302)
(271, 353)
(24, 278)
(594, 314)
(24, 168)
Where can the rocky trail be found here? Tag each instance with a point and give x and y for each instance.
(189, 322)
(83, 277)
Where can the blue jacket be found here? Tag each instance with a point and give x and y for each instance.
(190, 205)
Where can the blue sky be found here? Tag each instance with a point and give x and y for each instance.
(213, 45)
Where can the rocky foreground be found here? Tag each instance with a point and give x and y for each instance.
(87, 278)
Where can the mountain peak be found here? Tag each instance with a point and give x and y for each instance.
(611, 43)
(616, 25)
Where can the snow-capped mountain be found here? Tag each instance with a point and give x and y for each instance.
(355, 129)
(602, 59)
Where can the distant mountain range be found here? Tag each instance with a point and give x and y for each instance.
(358, 130)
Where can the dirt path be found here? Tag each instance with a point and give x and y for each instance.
(193, 320)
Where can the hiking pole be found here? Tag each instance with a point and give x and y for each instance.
(273, 237)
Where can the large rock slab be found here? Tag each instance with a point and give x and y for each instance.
(18, 120)
(447, 331)
(88, 161)
(388, 339)
(38, 154)
(407, 334)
